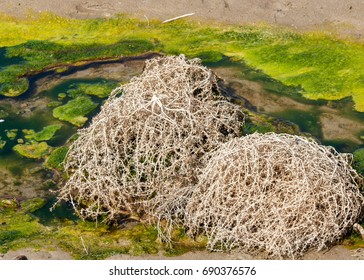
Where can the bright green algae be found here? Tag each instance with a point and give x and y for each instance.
(34, 145)
(47, 133)
(25, 134)
(359, 161)
(75, 110)
(2, 143)
(56, 158)
(32, 150)
(324, 66)
(81, 103)
(101, 89)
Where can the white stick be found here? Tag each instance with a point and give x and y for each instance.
(172, 19)
(147, 19)
(84, 246)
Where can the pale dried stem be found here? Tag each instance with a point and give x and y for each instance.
(168, 151)
(148, 143)
(274, 192)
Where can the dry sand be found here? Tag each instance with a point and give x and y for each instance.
(303, 14)
(32, 254)
(336, 253)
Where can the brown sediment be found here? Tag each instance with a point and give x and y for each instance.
(89, 62)
(338, 252)
(33, 254)
(28, 185)
(254, 92)
(121, 71)
(333, 125)
(336, 127)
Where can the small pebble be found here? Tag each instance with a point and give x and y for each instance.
(20, 257)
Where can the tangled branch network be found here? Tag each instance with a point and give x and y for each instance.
(274, 192)
(168, 150)
(144, 149)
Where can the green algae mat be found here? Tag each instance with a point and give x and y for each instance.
(323, 66)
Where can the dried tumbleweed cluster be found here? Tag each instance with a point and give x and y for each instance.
(168, 150)
(148, 143)
(277, 192)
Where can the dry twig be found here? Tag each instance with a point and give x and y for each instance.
(168, 151)
(275, 192)
(359, 229)
(147, 144)
(179, 17)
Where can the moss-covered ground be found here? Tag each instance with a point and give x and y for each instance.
(75, 110)
(25, 224)
(34, 150)
(56, 158)
(324, 66)
(101, 89)
(359, 161)
(22, 225)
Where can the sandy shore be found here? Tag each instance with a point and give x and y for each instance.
(346, 16)
(336, 253)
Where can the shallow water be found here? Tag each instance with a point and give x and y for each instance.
(25, 178)
(332, 122)
(62, 212)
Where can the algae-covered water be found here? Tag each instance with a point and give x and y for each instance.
(334, 123)
(40, 122)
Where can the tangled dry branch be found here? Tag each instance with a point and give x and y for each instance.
(275, 192)
(146, 144)
(168, 150)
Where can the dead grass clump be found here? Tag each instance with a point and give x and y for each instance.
(147, 144)
(274, 192)
(168, 150)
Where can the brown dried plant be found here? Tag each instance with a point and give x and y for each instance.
(168, 151)
(274, 192)
(147, 144)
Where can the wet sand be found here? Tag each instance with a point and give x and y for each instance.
(336, 253)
